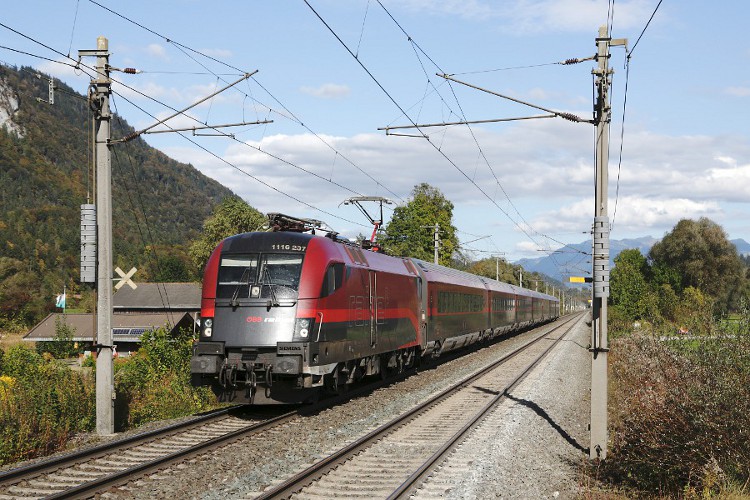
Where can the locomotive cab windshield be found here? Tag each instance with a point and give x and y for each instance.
(247, 278)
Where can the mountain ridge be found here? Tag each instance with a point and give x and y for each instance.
(575, 257)
(159, 204)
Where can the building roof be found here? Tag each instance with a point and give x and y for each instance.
(158, 296)
(125, 327)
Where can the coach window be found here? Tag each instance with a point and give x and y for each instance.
(333, 279)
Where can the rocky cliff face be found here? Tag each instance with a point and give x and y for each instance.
(9, 106)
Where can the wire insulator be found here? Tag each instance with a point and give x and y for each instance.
(574, 60)
(130, 136)
(131, 71)
(570, 117)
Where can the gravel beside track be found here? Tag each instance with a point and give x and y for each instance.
(533, 444)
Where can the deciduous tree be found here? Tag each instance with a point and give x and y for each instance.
(410, 233)
(231, 216)
(704, 258)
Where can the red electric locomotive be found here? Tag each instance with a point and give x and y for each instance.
(285, 314)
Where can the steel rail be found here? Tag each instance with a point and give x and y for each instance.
(418, 476)
(319, 469)
(85, 490)
(30, 471)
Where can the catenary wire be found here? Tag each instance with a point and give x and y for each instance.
(79, 64)
(630, 53)
(185, 49)
(165, 297)
(416, 46)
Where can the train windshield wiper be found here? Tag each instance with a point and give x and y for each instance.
(244, 281)
(267, 281)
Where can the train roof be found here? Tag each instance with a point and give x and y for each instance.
(444, 274)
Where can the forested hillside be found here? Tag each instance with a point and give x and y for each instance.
(44, 163)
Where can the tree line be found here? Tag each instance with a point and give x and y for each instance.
(693, 274)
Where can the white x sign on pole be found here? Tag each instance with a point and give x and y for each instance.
(125, 278)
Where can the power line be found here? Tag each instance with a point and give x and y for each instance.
(624, 105)
(164, 298)
(79, 64)
(630, 53)
(622, 141)
(273, 188)
(416, 46)
(73, 29)
(185, 49)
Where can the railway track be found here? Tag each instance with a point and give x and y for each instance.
(394, 459)
(87, 472)
(83, 473)
(95, 470)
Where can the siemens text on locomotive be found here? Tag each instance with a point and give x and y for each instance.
(286, 314)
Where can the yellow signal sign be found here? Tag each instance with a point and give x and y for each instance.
(579, 279)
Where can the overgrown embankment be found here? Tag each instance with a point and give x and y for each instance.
(680, 413)
(44, 402)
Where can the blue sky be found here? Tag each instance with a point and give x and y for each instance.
(528, 185)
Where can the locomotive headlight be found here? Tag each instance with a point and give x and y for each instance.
(302, 328)
(208, 324)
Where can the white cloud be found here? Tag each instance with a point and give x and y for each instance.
(533, 16)
(635, 215)
(546, 168)
(737, 91)
(156, 50)
(327, 91)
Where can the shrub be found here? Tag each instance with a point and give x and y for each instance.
(42, 404)
(681, 413)
(62, 346)
(21, 362)
(154, 383)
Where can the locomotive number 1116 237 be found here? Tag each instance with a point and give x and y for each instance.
(291, 248)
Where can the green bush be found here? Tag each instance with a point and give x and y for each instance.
(62, 346)
(154, 383)
(42, 404)
(21, 362)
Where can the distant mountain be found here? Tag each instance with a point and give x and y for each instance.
(44, 173)
(570, 261)
(743, 247)
(574, 260)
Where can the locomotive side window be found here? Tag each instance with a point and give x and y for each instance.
(333, 279)
(236, 274)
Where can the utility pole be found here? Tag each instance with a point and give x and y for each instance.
(497, 265)
(599, 343)
(99, 98)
